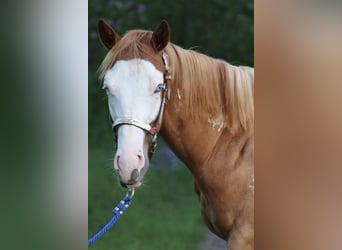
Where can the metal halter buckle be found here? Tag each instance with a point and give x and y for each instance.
(130, 192)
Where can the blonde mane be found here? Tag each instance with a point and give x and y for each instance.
(213, 88)
(208, 87)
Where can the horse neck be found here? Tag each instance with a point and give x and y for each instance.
(182, 134)
(194, 139)
(198, 143)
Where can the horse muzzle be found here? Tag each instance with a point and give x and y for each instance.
(130, 169)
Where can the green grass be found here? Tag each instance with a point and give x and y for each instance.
(164, 214)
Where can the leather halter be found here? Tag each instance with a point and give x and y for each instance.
(154, 127)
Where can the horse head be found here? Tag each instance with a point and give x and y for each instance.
(134, 73)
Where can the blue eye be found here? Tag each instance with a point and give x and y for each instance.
(160, 87)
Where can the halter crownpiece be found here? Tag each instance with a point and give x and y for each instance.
(154, 127)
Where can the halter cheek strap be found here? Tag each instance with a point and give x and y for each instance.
(154, 127)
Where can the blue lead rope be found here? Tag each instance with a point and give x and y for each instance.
(117, 211)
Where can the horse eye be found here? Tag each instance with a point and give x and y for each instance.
(104, 87)
(159, 88)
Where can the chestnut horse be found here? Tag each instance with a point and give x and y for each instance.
(204, 110)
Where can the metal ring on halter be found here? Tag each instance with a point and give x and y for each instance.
(130, 192)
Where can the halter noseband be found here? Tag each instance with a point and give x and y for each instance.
(154, 127)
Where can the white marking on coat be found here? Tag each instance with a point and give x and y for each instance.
(179, 95)
(217, 123)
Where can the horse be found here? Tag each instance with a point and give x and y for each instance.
(202, 107)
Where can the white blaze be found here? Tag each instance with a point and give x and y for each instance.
(130, 87)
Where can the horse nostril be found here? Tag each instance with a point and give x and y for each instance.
(135, 175)
(118, 162)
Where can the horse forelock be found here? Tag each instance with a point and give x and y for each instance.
(136, 44)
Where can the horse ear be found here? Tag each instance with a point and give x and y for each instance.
(108, 36)
(161, 36)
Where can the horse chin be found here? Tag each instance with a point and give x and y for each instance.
(135, 185)
(138, 182)
(131, 185)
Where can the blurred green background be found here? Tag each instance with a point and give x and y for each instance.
(165, 213)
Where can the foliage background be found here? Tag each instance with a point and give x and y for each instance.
(166, 207)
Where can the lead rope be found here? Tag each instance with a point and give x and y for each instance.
(117, 211)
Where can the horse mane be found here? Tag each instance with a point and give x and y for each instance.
(209, 88)
(213, 88)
